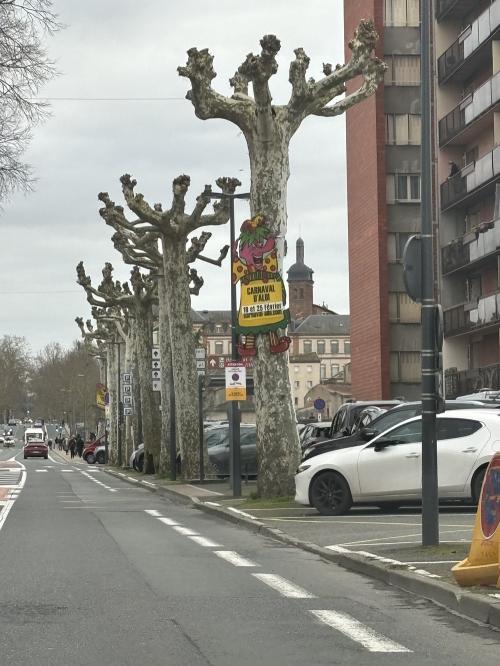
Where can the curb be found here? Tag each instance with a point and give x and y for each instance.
(456, 600)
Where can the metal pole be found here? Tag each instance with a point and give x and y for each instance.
(173, 443)
(234, 413)
(118, 413)
(201, 430)
(430, 503)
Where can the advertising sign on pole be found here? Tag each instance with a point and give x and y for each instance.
(236, 380)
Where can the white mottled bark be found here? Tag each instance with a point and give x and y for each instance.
(113, 402)
(166, 372)
(183, 355)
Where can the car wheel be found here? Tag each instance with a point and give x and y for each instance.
(90, 458)
(389, 506)
(100, 458)
(477, 484)
(330, 494)
(46, 457)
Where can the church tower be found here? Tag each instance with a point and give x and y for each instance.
(300, 286)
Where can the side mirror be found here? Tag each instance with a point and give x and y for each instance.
(368, 433)
(346, 432)
(382, 443)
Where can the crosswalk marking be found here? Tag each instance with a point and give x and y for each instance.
(356, 631)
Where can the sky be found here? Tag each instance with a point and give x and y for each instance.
(113, 52)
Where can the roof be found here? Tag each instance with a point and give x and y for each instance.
(324, 324)
(305, 358)
(213, 316)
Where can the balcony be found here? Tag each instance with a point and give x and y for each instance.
(472, 181)
(471, 115)
(469, 317)
(471, 248)
(457, 8)
(470, 50)
(464, 382)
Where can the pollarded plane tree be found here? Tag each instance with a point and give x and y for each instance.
(139, 301)
(174, 227)
(268, 129)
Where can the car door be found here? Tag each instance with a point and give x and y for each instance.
(459, 444)
(248, 448)
(395, 470)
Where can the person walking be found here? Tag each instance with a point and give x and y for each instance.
(79, 445)
(72, 447)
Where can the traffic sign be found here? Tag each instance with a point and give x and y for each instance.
(200, 352)
(236, 381)
(155, 353)
(156, 365)
(156, 385)
(127, 378)
(200, 365)
(215, 362)
(128, 411)
(127, 400)
(156, 374)
(319, 404)
(127, 389)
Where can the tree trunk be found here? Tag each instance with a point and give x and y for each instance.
(150, 416)
(127, 367)
(183, 354)
(278, 451)
(166, 377)
(136, 390)
(113, 402)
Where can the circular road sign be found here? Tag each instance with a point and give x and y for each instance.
(319, 404)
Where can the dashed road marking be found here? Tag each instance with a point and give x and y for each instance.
(153, 512)
(234, 558)
(168, 521)
(358, 632)
(184, 530)
(206, 543)
(100, 483)
(284, 586)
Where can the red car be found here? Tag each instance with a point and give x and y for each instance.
(36, 449)
(89, 450)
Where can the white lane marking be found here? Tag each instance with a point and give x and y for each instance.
(121, 474)
(384, 560)
(184, 530)
(284, 586)
(423, 572)
(205, 490)
(212, 503)
(234, 558)
(148, 483)
(375, 542)
(40, 470)
(168, 521)
(241, 513)
(10, 503)
(153, 512)
(67, 470)
(358, 632)
(56, 461)
(99, 483)
(339, 549)
(203, 541)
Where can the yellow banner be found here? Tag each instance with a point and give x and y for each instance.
(261, 303)
(236, 393)
(100, 397)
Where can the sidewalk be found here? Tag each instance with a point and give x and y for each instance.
(394, 557)
(61, 456)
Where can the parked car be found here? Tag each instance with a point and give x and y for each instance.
(387, 470)
(217, 440)
(386, 420)
(89, 451)
(9, 441)
(36, 448)
(137, 458)
(314, 432)
(346, 415)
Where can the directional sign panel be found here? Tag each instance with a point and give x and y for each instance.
(215, 362)
(156, 374)
(128, 411)
(127, 378)
(127, 389)
(199, 352)
(200, 365)
(127, 400)
(156, 365)
(155, 353)
(156, 385)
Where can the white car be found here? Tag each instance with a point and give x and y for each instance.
(388, 470)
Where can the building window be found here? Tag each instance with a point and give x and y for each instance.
(307, 346)
(218, 328)
(402, 129)
(320, 346)
(334, 346)
(405, 367)
(301, 293)
(402, 13)
(309, 384)
(347, 347)
(323, 371)
(219, 348)
(296, 384)
(334, 369)
(296, 402)
(403, 187)
(309, 368)
(402, 70)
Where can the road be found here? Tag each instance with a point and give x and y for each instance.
(96, 571)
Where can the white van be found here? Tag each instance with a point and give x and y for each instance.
(35, 435)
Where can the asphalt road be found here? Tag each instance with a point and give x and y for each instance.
(96, 571)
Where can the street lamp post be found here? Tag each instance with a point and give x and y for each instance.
(234, 409)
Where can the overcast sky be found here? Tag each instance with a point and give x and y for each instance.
(131, 49)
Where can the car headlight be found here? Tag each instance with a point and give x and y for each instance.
(302, 468)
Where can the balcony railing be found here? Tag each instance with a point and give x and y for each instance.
(471, 247)
(469, 41)
(471, 177)
(483, 99)
(463, 318)
(464, 382)
(459, 8)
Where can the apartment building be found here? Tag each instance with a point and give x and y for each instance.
(383, 193)
(467, 49)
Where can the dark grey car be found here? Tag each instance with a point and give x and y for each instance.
(217, 440)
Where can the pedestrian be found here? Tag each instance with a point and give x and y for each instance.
(72, 447)
(65, 445)
(79, 445)
(50, 444)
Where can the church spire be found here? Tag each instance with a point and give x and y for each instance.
(299, 251)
